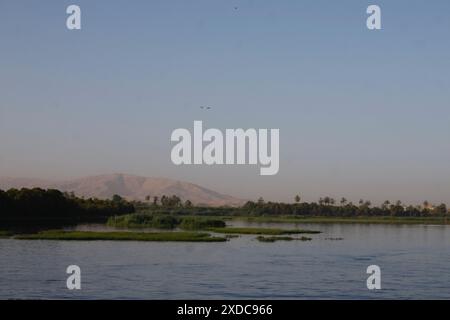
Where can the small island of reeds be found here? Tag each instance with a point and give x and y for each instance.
(147, 220)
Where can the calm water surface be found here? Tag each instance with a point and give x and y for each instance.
(414, 261)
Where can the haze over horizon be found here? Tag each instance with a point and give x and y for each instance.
(361, 114)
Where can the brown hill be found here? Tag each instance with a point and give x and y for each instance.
(130, 187)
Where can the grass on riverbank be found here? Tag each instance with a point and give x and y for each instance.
(121, 236)
(263, 231)
(146, 220)
(199, 223)
(143, 220)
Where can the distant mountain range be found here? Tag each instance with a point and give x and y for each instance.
(128, 186)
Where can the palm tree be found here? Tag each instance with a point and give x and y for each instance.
(343, 201)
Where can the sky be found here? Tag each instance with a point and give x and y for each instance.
(362, 114)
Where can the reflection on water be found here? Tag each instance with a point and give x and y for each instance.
(414, 262)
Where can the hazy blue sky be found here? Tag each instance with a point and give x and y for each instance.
(362, 114)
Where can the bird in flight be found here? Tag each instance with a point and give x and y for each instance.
(205, 107)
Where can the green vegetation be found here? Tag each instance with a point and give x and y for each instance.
(438, 220)
(326, 210)
(143, 220)
(160, 221)
(273, 239)
(40, 207)
(5, 234)
(146, 220)
(37, 208)
(121, 236)
(196, 223)
(328, 207)
(266, 231)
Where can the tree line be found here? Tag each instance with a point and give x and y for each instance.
(328, 206)
(37, 204)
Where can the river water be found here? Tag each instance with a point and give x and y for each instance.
(414, 262)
